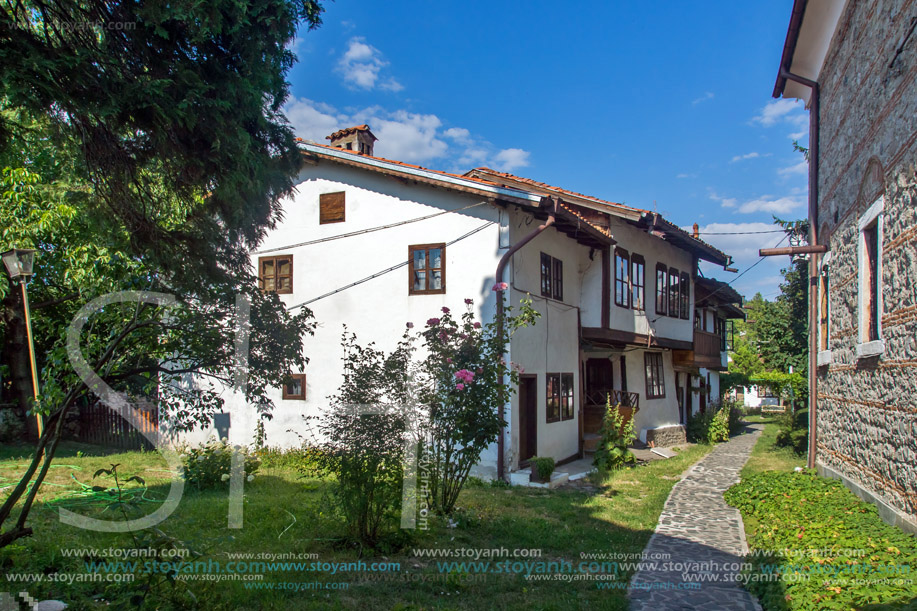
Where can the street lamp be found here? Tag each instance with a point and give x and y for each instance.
(18, 263)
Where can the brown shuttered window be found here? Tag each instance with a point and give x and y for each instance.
(655, 383)
(331, 208)
(275, 274)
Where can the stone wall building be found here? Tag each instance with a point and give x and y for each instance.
(855, 65)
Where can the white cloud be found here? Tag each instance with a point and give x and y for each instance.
(405, 136)
(361, 65)
(775, 111)
(708, 95)
(726, 202)
(801, 168)
(509, 159)
(686, 175)
(779, 205)
(751, 155)
(765, 203)
(459, 134)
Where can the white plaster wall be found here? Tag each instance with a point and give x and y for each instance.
(654, 250)
(552, 344)
(653, 413)
(379, 309)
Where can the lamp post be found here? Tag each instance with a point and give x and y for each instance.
(18, 263)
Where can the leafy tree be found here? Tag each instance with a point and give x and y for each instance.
(144, 152)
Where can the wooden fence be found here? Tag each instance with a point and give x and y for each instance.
(102, 426)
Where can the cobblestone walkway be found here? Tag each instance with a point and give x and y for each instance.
(697, 526)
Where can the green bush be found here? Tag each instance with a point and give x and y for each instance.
(860, 560)
(543, 466)
(794, 431)
(712, 426)
(209, 465)
(613, 451)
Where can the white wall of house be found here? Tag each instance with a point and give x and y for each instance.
(654, 250)
(552, 344)
(754, 397)
(377, 310)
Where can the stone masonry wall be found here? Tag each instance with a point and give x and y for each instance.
(867, 416)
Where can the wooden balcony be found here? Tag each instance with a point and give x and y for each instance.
(707, 352)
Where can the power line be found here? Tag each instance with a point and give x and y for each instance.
(387, 270)
(738, 232)
(751, 267)
(362, 231)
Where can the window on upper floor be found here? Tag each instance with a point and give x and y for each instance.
(673, 293)
(622, 278)
(662, 291)
(427, 269)
(655, 382)
(870, 281)
(638, 282)
(559, 395)
(684, 295)
(552, 277)
(275, 274)
(295, 387)
(331, 208)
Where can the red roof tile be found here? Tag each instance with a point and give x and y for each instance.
(349, 130)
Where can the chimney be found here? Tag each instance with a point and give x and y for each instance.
(358, 138)
(696, 230)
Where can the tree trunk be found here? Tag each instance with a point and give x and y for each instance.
(15, 353)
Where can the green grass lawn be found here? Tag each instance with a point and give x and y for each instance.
(286, 514)
(766, 456)
(806, 526)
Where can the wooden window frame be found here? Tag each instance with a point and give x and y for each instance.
(274, 260)
(654, 373)
(638, 262)
(567, 397)
(869, 281)
(662, 296)
(327, 199)
(426, 248)
(684, 294)
(824, 309)
(552, 277)
(672, 284)
(301, 377)
(563, 391)
(552, 392)
(622, 285)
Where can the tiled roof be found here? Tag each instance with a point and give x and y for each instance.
(545, 186)
(603, 230)
(349, 130)
(358, 156)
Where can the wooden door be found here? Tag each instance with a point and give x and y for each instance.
(528, 417)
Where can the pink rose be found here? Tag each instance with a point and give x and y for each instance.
(500, 286)
(465, 375)
(469, 301)
(460, 386)
(445, 310)
(432, 322)
(449, 359)
(477, 325)
(410, 325)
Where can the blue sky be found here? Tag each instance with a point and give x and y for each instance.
(666, 105)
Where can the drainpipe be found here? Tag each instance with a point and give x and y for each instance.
(813, 258)
(552, 204)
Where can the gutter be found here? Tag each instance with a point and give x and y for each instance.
(813, 242)
(553, 204)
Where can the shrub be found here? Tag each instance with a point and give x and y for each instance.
(794, 431)
(465, 394)
(613, 451)
(363, 437)
(858, 556)
(543, 466)
(712, 426)
(210, 465)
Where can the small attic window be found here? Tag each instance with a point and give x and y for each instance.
(331, 208)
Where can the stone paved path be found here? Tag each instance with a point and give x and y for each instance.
(697, 526)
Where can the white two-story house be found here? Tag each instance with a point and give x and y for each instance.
(375, 244)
